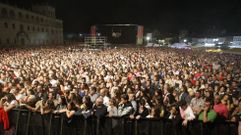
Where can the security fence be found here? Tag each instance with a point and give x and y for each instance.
(23, 122)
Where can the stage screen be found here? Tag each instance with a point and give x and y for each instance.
(119, 34)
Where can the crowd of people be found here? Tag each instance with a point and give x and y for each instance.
(136, 83)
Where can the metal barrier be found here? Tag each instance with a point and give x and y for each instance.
(24, 122)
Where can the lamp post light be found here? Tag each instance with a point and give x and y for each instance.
(148, 39)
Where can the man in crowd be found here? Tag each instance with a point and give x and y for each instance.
(154, 75)
(125, 107)
(197, 103)
(220, 108)
(207, 114)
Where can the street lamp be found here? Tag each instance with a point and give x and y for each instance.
(148, 38)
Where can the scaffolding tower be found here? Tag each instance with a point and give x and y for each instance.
(94, 42)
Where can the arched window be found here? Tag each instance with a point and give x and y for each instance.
(13, 25)
(32, 18)
(21, 27)
(37, 19)
(8, 41)
(20, 15)
(12, 14)
(6, 25)
(4, 12)
(27, 16)
(33, 28)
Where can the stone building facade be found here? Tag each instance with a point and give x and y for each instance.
(20, 27)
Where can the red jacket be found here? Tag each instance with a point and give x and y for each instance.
(4, 118)
(221, 110)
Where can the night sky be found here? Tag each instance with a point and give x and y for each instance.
(198, 17)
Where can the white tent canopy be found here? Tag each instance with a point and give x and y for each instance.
(180, 45)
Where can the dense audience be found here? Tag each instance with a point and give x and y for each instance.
(136, 83)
